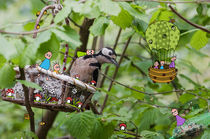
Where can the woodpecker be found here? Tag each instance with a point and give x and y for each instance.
(88, 66)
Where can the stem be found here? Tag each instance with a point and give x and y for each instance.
(115, 74)
(27, 101)
(192, 24)
(40, 16)
(48, 118)
(26, 33)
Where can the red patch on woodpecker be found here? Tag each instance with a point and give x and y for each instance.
(64, 68)
(123, 126)
(64, 60)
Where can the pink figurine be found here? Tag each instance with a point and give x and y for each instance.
(180, 120)
(156, 65)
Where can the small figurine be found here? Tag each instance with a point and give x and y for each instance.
(156, 64)
(180, 120)
(162, 64)
(46, 63)
(90, 52)
(56, 68)
(172, 64)
(122, 126)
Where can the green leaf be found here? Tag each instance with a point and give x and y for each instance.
(201, 119)
(124, 19)
(7, 49)
(81, 124)
(148, 117)
(199, 40)
(109, 7)
(30, 84)
(36, 5)
(140, 26)
(89, 9)
(79, 53)
(189, 79)
(3, 61)
(51, 45)
(151, 135)
(99, 26)
(62, 14)
(199, 9)
(155, 16)
(185, 98)
(7, 76)
(134, 12)
(206, 134)
(102, 130)
(137, 95)
(69, 35)
(29, 26)
(165, 15)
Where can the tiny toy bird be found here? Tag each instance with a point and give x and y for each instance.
(87, 66)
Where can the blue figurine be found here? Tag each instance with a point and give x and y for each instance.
(162, 64)
(46, 63)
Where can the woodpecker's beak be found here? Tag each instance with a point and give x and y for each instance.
(114, 62)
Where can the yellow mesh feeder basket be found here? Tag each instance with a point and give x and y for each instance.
(165, 75)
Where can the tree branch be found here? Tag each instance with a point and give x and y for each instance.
(192, 24)
(115, 74)
(84, 33)
(27, 101)
(48, 118)
(26, 33)
(40, 16)
(107, 67)
(161, 1)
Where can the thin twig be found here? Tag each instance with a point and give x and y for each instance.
(115, 74)
(160, 93)
(40, 16)
(107, 67)
(130, 133)
(192, 24)
(43, 2)
(26, 33)
(65, 58)
(161, 1)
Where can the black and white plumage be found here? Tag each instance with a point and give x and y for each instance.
(87, 66)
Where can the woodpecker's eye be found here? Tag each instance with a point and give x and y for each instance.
(110, 53)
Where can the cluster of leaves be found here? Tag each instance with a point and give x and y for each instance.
(123, 104)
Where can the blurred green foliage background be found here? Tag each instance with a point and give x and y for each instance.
(193, 63)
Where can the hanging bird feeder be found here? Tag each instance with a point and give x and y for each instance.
(162, 38)
(58, 91)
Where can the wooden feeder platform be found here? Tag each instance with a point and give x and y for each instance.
(165, 75)
(56, 88)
